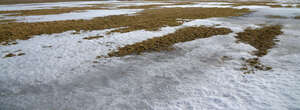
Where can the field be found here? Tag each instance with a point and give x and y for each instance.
(149, 55)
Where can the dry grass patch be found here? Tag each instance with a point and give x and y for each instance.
(236, 4)
(262, 39)
(165, 42)
(253, 64)
(155, 5)
(7, 21)
(276, 16)
(5, 2)
(297, 17)
(93, 37)
(150, 19)
(142, 6)
(48, 11)
(183, 3)
(12, 55)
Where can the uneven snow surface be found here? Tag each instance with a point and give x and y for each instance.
(89, 14)
(60, 71)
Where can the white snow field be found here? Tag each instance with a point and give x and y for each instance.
(89, 14)
(60, 71)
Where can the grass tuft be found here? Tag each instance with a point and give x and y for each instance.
(9, 55)
(276, 16)
(165, 42)
(6, 21)
(93, 37)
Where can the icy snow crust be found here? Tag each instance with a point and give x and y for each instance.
(86, 14)
(70, 4)
(89, 14)
(192, 77)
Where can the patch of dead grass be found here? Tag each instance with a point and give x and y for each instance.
(262, 39)
(236, 4)
(57, 10)
(142, 6)
(297, 17)
(5, 2)
(276, 16)
(93, 37)
(12, 55)
(149, 19)
(155, 5)
(9, 55)
(7, 21)
(253, 64)
(165, 42)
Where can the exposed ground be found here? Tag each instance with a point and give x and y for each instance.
(151, 19)
(51, 11)
(276, 16)
(5, 2)
(165, 42)
(150, 55)
(262, 39)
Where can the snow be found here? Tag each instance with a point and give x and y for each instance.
(192, 77)
(34, 6)
(89, 14)
(203, 4)
(50, 5)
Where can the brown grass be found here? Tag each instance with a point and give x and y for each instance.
(93, 37)
(7, 21)
(12, 55)
(155, 5)
(165, 42)
(4, 2)
(50, 11)
(142, 6)
(150, 19)
(253, 64)
(183, 3)
(297, 17)
(9, 55)
(262, 39)
(276, 16)
(257, 3)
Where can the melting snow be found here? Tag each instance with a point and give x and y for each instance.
(89, 14)
(58, 72)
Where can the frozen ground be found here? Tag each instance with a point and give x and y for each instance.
(59, 71)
